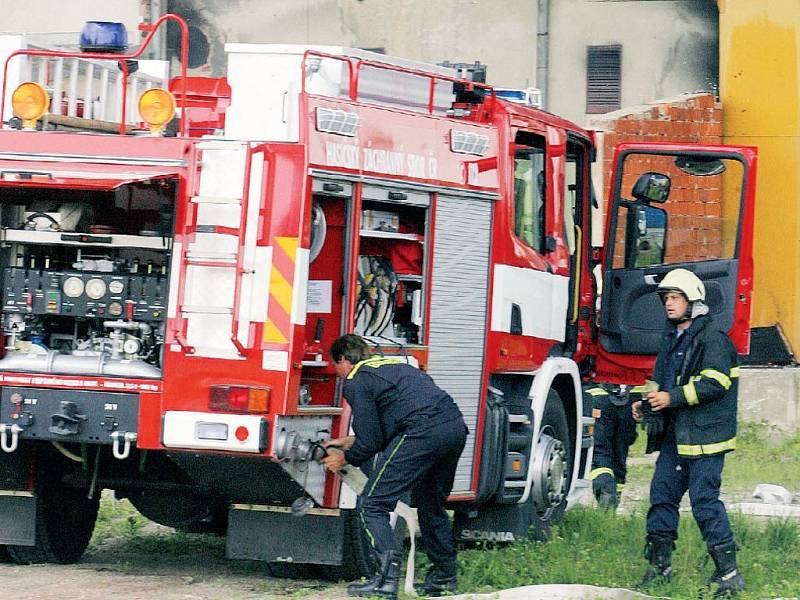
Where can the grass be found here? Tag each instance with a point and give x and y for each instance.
(590, 546)
(761, 456)
(116, 519)
(595, 547)
(600, 548)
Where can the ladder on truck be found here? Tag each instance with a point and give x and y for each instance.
(217, 259)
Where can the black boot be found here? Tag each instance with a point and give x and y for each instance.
(605, 491)
(439, 580)
(658, 550)
(385, 581)
(727, 574)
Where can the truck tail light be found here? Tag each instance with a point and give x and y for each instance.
(238, 398)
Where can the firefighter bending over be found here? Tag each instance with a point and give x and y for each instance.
(614, 432)
(417, 434)
(692, 421)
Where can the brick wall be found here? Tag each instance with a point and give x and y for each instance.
(694, 210)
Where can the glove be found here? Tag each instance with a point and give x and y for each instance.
(653, 421)
(654, 425)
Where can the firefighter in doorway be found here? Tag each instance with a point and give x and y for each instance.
(417, 433)
(691, 420)
(614, 432)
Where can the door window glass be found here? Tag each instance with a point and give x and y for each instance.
(529, 195)
(676, 210)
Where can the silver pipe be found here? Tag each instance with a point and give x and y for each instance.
(129, 325)
(543, 49)
(68, 364)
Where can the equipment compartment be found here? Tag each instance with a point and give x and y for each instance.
(85, 278)
(391, 267)
(366, 275)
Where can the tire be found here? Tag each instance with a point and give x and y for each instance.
(357, 558)
(4, 555)
(65, 520)
(180, 510)
(554, 441)
(288, 570)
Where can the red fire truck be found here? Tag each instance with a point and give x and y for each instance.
(170, 287)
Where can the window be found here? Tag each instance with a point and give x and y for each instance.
(570, 201)
(529, 196)
(574, 177)
(603, 78)
(697, 221)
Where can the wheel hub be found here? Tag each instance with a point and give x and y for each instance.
(549, 473)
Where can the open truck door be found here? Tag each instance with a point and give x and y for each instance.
(674, 206)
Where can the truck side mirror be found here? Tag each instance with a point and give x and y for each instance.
(652, 187)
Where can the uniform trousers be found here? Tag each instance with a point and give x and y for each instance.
(421, 460)
(701, 477)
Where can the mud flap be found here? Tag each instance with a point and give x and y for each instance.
(17, 518)
(271, 533)
(493, 523)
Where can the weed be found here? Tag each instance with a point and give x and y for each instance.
(178, 544)
(116, 519)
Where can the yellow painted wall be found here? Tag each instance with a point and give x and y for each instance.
(759, 45)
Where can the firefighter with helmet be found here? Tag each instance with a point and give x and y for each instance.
(691, 420)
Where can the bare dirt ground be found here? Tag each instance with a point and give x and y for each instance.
(115, 571)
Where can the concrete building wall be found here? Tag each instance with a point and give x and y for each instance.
(668, 48)
(771, 396)
(501, 34)
(58, 22)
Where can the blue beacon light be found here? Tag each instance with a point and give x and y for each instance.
(104, 36)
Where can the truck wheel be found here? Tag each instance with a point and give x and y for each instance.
(357, 558)
(552, 457)
(4, 556)
(288, 570)
(65, 520)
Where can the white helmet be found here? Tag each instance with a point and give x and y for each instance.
(685, 282)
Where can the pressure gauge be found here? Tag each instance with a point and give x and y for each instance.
(115, 308)
(73, 287)
(95, 288)
(131, 346)
(116, 287)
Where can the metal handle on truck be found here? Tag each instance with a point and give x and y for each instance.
(121, 443)
(5, 444)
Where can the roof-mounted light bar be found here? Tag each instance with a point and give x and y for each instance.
(339, 122)
(529, 96)
(468, 142)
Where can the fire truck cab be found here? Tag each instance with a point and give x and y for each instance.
(169, 294)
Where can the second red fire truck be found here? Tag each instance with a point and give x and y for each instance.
(170, 289)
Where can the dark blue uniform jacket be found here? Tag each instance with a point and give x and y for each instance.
(389, 396)
(705, 389)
